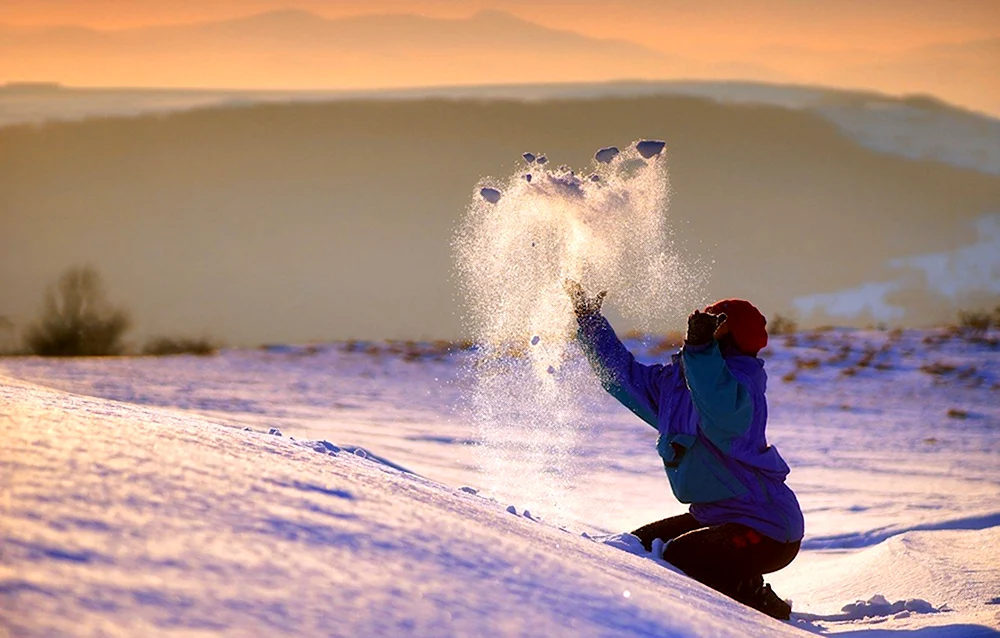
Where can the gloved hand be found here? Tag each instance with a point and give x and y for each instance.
(583, 306)
(702, 327)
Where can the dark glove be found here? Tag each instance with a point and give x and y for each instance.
(583, 306)
(702, 327)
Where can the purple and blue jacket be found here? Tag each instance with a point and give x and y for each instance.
(710, 412)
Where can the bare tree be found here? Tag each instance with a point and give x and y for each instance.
(77, 320)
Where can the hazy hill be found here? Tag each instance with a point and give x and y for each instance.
(964, 72)
(919, 127)
(297, 49)
(299, 221)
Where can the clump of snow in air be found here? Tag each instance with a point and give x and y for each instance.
(606, 154)
(650, 148)
(520, 240)
(491, 195)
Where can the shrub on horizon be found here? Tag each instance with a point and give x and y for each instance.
(782, 325)
(77, 320)
(8, 341)
(165, 346)
(975, 323)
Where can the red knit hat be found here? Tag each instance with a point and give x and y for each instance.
(745, 322)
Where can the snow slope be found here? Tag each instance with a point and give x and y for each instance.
(151, 509)
(121, 519)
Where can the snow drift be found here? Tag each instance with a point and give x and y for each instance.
(130, 520)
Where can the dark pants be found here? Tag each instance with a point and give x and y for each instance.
(730, 558)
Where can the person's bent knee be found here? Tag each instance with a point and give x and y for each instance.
(673, 553)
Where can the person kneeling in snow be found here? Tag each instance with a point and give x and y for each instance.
(709, 408)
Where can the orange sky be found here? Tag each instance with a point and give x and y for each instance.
(854, 44)
(676, 25)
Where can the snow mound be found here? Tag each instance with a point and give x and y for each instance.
(906, 576)
(624, 542)
(868, 538)
(123, 519)
(878, 605)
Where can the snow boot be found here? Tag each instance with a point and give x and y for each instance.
(755, 593)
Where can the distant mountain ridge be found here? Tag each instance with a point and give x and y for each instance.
(294, 49)
(298, 49)
(492, 27)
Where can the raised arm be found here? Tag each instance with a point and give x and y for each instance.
(635, 385)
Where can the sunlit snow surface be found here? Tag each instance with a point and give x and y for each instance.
(155, 511)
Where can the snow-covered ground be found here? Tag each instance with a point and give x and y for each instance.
(135, 502)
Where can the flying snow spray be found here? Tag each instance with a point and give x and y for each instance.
(520, 240)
